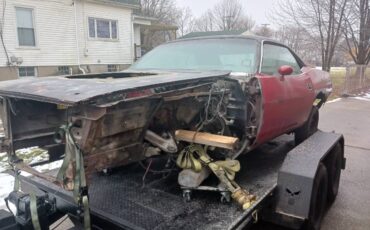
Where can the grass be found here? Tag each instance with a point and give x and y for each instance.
(338, 79)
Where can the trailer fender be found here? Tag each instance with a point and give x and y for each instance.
(296, 176)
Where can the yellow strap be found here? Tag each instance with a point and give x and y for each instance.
(87, 222)
(224, 170)
(187, 160)
(34, 214)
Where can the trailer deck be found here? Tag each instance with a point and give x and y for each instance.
(122, 199)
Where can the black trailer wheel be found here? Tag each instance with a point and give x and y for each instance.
(186, 194)
(318, 199)
(308, 128)
(334, 166)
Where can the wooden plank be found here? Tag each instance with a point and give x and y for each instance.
(209, 139)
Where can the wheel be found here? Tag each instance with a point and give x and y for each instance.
(334, 166)
(186, 194)
(308, 128)
(225, 197)
(318, 199)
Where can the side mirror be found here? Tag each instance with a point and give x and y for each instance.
(285, 70)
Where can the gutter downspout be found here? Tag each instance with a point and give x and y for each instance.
(77, 43)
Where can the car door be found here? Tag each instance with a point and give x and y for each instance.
(299, 94)
(287, 100)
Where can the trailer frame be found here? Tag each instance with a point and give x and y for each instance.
(267, 172)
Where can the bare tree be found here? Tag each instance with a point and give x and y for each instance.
(322, 20)
(165, 12)
(229, 15)
(264, 30)
(185, 21)
(300, 42)
(357, 31)
(246, 23)
(205, 22)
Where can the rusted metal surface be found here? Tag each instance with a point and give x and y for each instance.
(26, 168)
(87, 88)
(112, 133)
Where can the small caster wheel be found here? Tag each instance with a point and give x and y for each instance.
(225, 197)
(107, 172)
(186, 194)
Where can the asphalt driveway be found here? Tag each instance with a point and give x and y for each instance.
(351, 210)
(352, 207)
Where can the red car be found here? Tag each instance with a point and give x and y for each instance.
(231, 93)
(290, 93)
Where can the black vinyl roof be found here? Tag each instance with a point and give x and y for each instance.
(253, 37)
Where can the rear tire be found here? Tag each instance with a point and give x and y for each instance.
(318, 199)
(308, 128)
(334, 167)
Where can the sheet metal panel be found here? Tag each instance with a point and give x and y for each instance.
(70, 90)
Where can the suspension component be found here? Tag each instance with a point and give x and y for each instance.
(195, 157)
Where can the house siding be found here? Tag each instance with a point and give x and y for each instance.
(95, 51)
(54, 23)
(54, 30)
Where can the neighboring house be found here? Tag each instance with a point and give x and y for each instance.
(57, 37)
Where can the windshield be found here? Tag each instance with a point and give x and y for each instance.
(236, 55)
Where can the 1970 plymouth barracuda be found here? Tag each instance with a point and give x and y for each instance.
(198, 102)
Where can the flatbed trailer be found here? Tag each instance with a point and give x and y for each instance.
(282, 176)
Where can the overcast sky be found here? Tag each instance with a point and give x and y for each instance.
(257, 9)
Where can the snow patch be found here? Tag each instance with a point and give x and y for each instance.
(6, 186)
(363, 97)
(335, 100)
(7, 181)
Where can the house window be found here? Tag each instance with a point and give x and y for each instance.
(113, 68)
(64, 70)
(103, 28)
(27, 71)
(25, 27)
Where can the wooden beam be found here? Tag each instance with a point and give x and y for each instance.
(209, 139)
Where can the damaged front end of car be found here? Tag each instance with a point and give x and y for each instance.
(199, 121)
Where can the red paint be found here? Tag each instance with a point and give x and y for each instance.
(285, 70)
(287, 101)
(139, 93)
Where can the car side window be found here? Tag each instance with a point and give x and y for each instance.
(275, 56)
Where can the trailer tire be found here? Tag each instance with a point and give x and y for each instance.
(308, 128)
(334, 166)
(318, 199)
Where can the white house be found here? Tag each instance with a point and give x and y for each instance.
(54, 37)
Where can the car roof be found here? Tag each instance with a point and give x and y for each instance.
(259, 39)
(253, 37)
